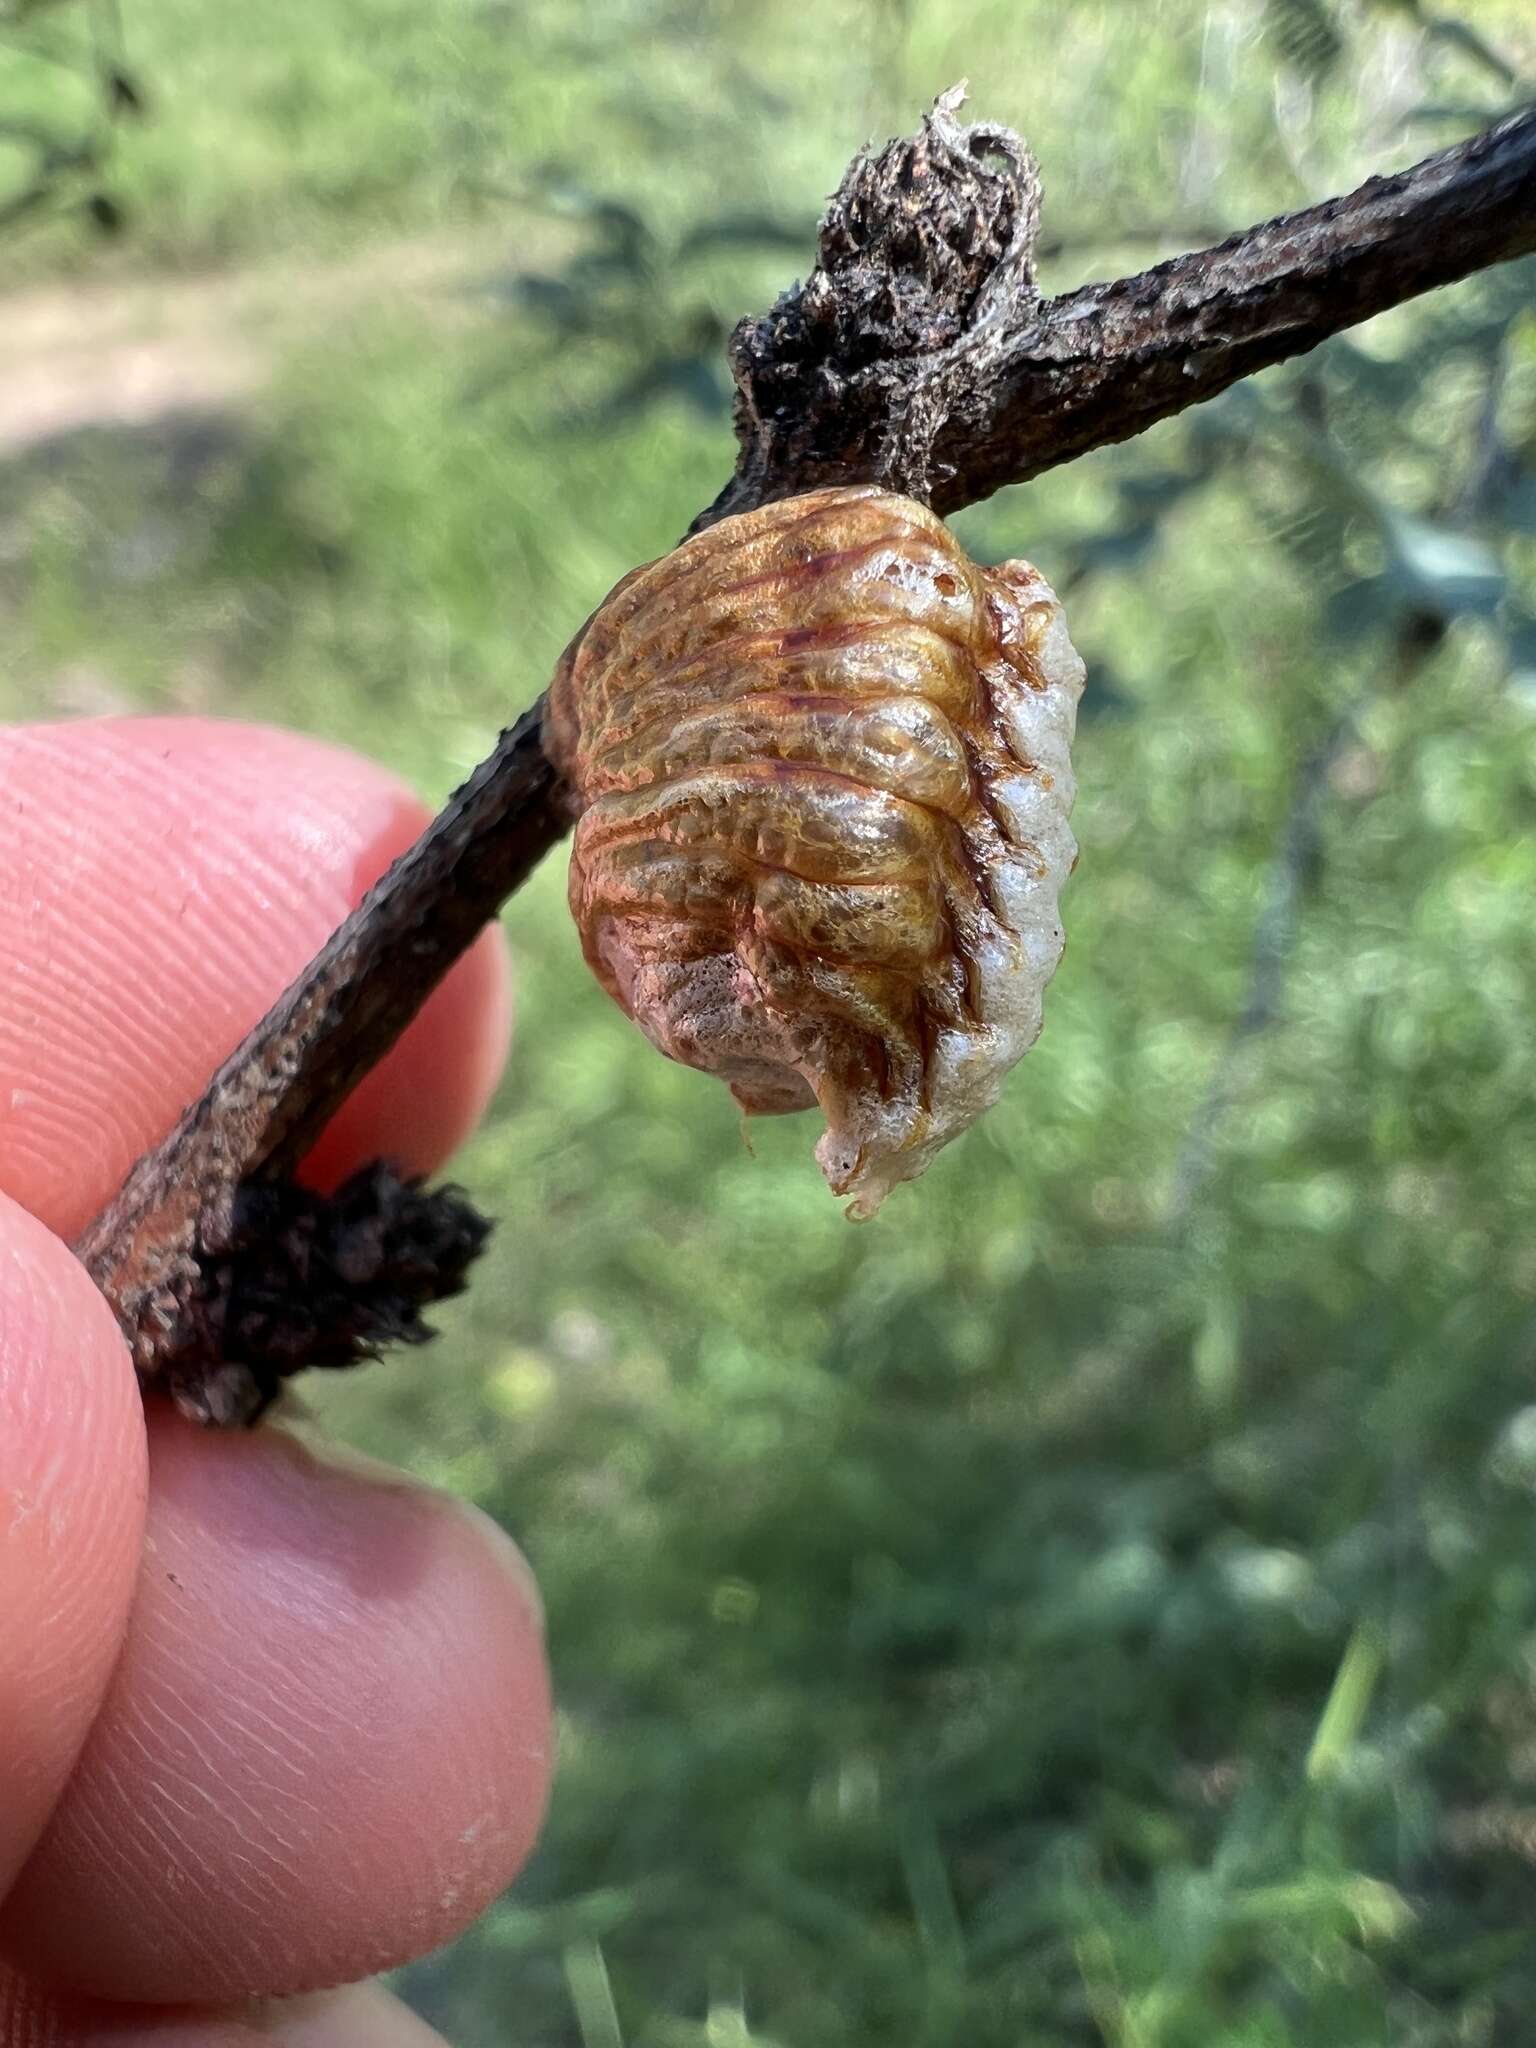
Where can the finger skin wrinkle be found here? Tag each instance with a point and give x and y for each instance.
(324, 1749)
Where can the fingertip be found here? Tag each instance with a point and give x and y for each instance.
(162, 881)
(72, 1499)
(326, 1747)
(362, 2016)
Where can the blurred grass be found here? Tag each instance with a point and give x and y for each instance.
(358, 118)
(1049, 1614)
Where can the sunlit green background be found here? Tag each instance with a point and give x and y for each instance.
(1096, 1602)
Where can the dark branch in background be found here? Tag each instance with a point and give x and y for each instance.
(1292, 871)
(919, 355)
(1297, 864)
(1293, 875)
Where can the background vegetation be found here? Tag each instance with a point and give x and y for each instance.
(1096, 1603)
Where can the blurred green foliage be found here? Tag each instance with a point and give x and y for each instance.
(1096, 1602)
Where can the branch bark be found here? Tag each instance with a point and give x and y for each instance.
(918, 355)
(160, 1250)
(1019, 385)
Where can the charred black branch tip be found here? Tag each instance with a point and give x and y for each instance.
(926, 248)
(317, 1280)
(937, 215)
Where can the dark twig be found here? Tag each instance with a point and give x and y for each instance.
(150, 1250)
(918, 354)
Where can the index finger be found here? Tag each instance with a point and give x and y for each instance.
(161, 883)
(72, 1482)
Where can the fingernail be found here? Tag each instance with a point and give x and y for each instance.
(347, 1460)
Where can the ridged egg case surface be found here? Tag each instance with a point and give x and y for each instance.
(822, 767)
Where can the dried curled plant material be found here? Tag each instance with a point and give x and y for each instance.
(821, 766)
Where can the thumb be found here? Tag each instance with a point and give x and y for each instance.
(72, 1491)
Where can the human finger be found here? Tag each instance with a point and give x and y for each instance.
(161, 883)
(363, 2016)
(72, 1482)
(324, 1750)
